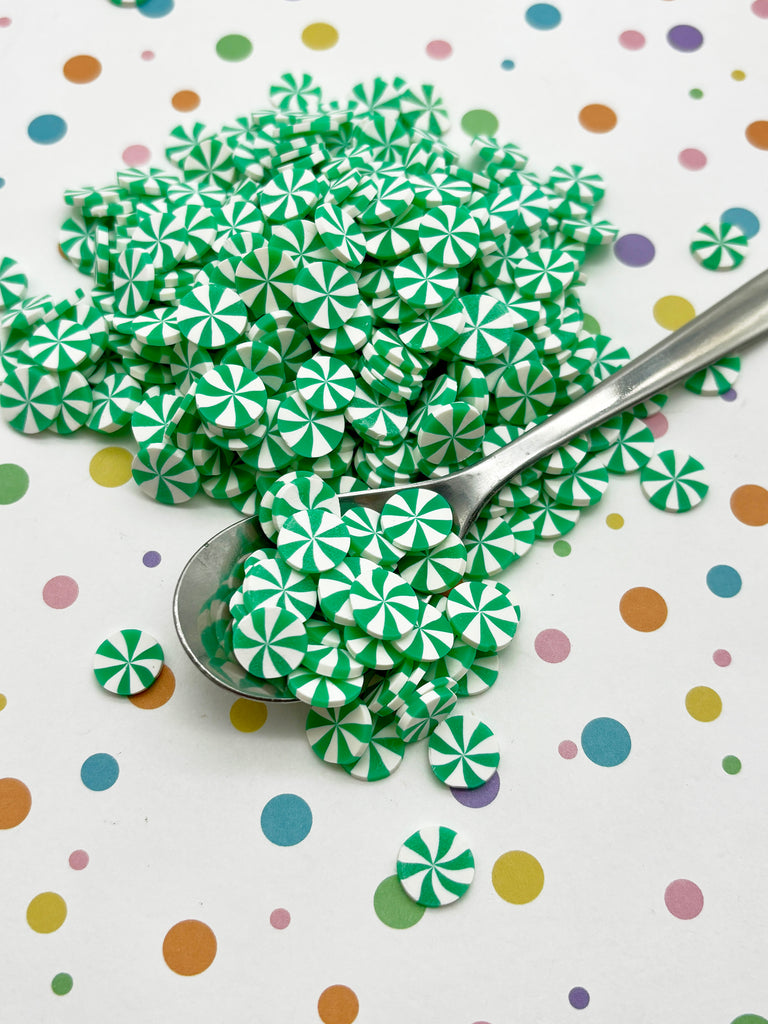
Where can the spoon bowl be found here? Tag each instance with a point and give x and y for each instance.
(201, 601)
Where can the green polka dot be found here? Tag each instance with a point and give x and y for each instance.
(394, 907)
(590, 324)
(561, 548)
(695, 94)
(480, 122)
(62, 984)
(234, 47)
(731, 765)
(14, 482)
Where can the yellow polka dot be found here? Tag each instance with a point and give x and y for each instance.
(703, 704)
(3, 701)
(672, 311)
(247, 715)
(46, 912)
(320, 36)
(614, 520)
(738, 76)
(111, 467)
(517, 877)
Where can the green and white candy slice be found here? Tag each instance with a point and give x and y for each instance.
(450, 433)
(333, 589)
(296, 95)
(133, 281)
(479, 677)
(30, 399)
(416, 520)
(271, 581)
(673, 482)
(546, 273)
(128, 662)
(425, 285)
(157, 326)
(231, 397)
(449, 235)
(580, 488)
(211, 316)
(716, 379)
(483, 615)
(163, 236)
(366, 539)
(326, 384)
(384, 605)
(76, 403)
(291, 193)
(60, 345)
(436, 329)
(574, 182)
(264, 280)
(719, 247)
(306, 431)
(488, 329)
(382, 756)
(431, 639)
(299, 491)
(166, 473)
(370, 651)
(321, 691)
(463, 752)
(633, 447)
(325, 295)
(333, 662)
(154, 417)
(422, 711)
(525, 391)
(115, 399)
(13, 283)
(341, 234)
(437, 570)
(269, 642)
(313, 541)
(491, 548)
(435, 866)
(340, 735)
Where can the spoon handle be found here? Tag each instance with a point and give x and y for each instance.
(737, 320)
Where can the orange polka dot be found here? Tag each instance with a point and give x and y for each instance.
(82, 69)
(185, 100)
(338, 1005)
(596, 117)
(189, 947)
(757, 134)
(15, 802)
(643, 609)
(320, 36)
(159, 693)
(749, 504)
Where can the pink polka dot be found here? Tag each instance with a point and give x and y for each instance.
(632, 40)
(760, 8)
(135, 155)
(147, 54)
(438, 49)
(567, 749)
(60, 592)
(722, 658)
(78, 860)
(692, 159)
(280, 918)
(5, 22)
(658, 424)
(684, 899)
(552, 645)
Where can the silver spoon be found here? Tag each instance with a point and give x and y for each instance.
(200, 604)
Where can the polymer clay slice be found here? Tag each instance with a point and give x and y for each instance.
(491, 547)
(424, 285)
(325, 383)
(271, 581)
(463, 752)
(431, 639)
(305, 430)
(384, 605)
(60, 345)
(325, 295)
(719, 247)
(479, 677)
(422, 711)
(580, 488)
(341, 234)
(211, 316)
(416, 519)
(673, 482)
(30, 399)
(76, 403)
(313, 541)
(333, 589)
(483, 614)
(487, 331)
(450, 433)
(382, 756)
(321, 691)
(231, 397)
(115, 399)
(449, 236)
(133, 281)
(269, 642)
(166, 473)
(128, 662)
(716, 379)
(367, 539)
(633, 448)
(435, 866)
(13, 283)
(340, 735)
(438, 569)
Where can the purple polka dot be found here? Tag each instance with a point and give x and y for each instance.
(722, 658)
(578, 998)
(480, 797)
(729, 396)
(692, 159)
(685, 38)
(567, 749)
(151, 559)
(634, 250)
(632, 40)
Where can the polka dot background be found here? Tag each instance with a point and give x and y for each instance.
(628, 709)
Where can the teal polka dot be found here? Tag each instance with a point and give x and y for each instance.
(605, 742)
(543, 16)
(286, 819)
(99, 772)
(723, 581)
(47, 129)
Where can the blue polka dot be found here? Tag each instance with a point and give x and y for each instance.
(605, 742)
(742, 219)
(2, 182)
(47, 129)
(156, 8)
(507, 65)
(99, 772)
(543, 16)
(723, 581)
(286, 819)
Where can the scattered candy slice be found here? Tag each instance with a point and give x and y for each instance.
(719, 246)
(382, 756)
(416, 519)
(166, 473)
(128, 662)
(483, 614)
(463, 752)
(30, 399)
(435, 866)
(340, 735)
(673, 482)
